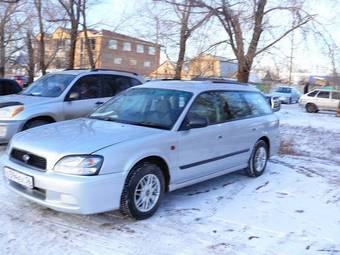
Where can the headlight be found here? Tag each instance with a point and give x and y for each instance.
(10, 111)
(79, 165)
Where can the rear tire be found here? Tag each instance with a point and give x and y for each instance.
(311, 108)
(258, 159)
(143, 191)
(35, 123)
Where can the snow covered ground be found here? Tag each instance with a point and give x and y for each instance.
(294, 208)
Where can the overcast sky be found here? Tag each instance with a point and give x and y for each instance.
(310, 52)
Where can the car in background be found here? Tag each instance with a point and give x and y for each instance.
(320, 100)
(8, 87)
(286, 94)
(61, 96)
(21, 80)
(149, 139)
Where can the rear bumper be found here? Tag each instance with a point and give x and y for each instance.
(66, 193)
(8, 129)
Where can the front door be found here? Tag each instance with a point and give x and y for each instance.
(199, 147)
(322, 100)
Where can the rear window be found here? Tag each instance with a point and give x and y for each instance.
(336, 95)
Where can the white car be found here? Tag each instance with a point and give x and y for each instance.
(146, 141)
(320, 100)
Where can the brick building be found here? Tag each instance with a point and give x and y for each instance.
(110, 50)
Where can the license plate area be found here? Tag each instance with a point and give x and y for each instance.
(18, 177)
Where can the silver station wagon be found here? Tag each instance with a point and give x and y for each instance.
(146, 141)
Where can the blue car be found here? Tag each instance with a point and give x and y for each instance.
(287, 95)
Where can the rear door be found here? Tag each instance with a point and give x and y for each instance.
(335, 100)
(322, 100)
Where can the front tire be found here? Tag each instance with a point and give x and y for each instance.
(311, 108)
(143, 191)
(258, 159)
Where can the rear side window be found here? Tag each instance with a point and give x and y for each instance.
(205, 106)
(257, 103)
(235, 106)
(88, 87)
(336, 95)
(114, 84)
(313, 93)
(323, 94)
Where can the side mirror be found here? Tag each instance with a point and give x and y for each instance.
(73, 96)
(195, 122)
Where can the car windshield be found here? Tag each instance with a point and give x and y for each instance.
(50, 85)
(283, 90)
(150, 107)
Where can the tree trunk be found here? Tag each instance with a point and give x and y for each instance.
(30, 53)
(2, 51)
(87, 41)
(180, 60)
(42, 64)
(243, 73)
(73, 43)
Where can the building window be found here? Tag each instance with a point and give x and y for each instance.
(118, 61)
(112, 44)
(93, 43)
(133, 62)
(152, 50)
(140, 48)
(127, 46)
(147, 64)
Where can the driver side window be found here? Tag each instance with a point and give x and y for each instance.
(87, 87)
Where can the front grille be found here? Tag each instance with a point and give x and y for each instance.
(29, 159)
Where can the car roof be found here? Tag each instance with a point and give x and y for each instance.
(197, 86)
(99, 71)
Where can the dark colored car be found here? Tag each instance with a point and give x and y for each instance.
(8, 87)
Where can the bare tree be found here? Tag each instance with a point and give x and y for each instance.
(30, 55)
(188, 23)
(250, 17)
(72, 10)
(41, 39)
(88, 44)
(9, 35)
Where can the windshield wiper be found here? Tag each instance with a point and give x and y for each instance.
(150, 124)
(105, 118)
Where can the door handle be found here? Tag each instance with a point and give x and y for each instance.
(254, 129)
(99, 103)
(220, 137)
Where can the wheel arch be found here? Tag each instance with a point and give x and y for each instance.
(159, 161)
(48, 118)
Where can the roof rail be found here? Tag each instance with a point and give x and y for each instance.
(99, 69)
(114, 70)
(230, 82)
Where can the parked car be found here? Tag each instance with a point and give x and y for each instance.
(60, 96)
(147, 140)
(287, 95)
(8, 87)
(320, 100)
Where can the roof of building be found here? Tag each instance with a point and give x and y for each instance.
(197, 86)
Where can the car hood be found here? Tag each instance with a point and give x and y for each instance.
(23, 99)
(79, 136)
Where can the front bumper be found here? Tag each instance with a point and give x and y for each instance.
(8, 129)
(67, 193)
